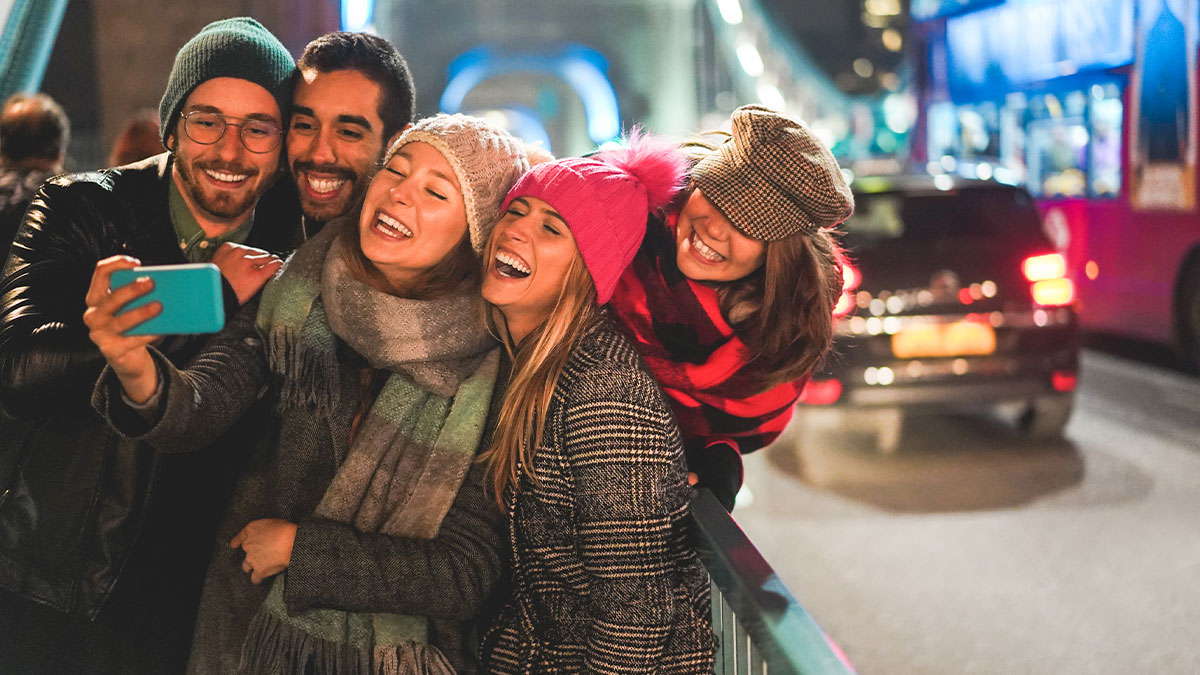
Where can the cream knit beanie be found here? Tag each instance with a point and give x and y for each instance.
(486, 159)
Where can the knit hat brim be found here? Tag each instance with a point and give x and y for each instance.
(240, 48)
(485, 158)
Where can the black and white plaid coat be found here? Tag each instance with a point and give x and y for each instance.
(603, 579)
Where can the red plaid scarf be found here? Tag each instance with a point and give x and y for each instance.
(676, 325)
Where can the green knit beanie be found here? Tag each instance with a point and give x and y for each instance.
(240, 48)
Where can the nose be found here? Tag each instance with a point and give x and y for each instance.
(230, 147)
(401, 192)
(714, 228)
(322, 150)
(518, 229)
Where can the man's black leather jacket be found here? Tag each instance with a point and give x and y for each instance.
(74, 495)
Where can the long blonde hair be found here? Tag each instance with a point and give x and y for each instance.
(537, 364)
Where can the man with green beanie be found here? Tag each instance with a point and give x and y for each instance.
(103, 542)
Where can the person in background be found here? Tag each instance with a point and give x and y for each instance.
(34, 134)
(353, 98)
(103, 541)
(360, 538)
(586, 458)
(139, 139)
(730, 298)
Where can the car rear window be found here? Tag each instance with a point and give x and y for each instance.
(919, 217)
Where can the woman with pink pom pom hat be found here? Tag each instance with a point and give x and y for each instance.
(586, 457)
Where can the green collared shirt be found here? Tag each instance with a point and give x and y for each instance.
(196, 246)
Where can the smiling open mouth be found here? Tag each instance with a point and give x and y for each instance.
(324, 186)
(391, 227)
(225, 176)
(704, 250)
(511, 266)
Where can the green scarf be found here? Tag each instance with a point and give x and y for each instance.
(410, 455)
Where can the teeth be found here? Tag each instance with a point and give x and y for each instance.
(394, 224)
(704, 250)
(325, 184)
(513, 262)
(226, 177)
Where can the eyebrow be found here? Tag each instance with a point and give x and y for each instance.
(345, 119)
(549, 212)
(355, 119)
(438, 174)
(258, 116)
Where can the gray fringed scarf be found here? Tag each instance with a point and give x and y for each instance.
(410, 455)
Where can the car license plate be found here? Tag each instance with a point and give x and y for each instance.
(961, 338)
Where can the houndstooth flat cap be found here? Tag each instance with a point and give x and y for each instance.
(774, 177)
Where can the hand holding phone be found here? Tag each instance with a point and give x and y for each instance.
(128, 356)
(190, 296)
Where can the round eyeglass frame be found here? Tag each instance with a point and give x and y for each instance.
(277, 137)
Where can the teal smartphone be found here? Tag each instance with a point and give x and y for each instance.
(190, 295)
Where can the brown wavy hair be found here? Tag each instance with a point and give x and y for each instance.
(783, 311)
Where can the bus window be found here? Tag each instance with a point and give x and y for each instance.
(1012, 137)
(1106, 112)
(979, 131)
(942, 131)
(1057, 145)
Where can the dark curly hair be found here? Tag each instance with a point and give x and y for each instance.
(378, 60)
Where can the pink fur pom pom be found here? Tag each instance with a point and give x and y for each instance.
(659, 165)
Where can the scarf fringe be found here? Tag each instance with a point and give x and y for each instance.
(306, 378)
(272, 647)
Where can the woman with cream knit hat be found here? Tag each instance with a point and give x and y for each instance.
(360, 538)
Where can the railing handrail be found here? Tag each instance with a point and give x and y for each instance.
(786, 635)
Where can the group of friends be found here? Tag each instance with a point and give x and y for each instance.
(463, 395)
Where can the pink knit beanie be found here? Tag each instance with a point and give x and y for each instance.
(606, 199)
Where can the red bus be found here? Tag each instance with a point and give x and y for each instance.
(1092, 105)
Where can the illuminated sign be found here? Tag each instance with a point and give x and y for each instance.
(923, 10)
(1027, 41)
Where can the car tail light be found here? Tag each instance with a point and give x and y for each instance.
(1042, 267)
(851, 278)
(1048, 274)
(821, 392)
(1054, 292)
(1064, 380)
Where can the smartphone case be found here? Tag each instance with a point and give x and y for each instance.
(190, 295)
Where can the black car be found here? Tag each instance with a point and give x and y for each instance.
(954, 298)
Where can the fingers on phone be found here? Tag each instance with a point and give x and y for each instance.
(136, 317)
(131, 291)
(102, 275)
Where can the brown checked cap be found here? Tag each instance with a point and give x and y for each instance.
(774, 177)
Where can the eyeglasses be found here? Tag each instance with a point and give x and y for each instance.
(207, 128)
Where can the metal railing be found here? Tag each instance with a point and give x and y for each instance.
(759, 626)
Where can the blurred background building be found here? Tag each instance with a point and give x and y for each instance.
(1090, 104)
(572, 75)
